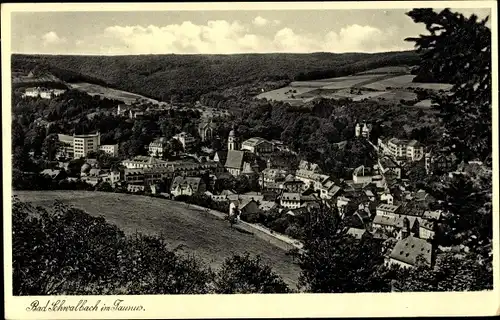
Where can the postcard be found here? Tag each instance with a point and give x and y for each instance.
(228, 160)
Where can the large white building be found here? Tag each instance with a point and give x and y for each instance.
(79, 146)
(142, 162)
(86, 143)
(158, 147)
(43, 93)
(411, 150)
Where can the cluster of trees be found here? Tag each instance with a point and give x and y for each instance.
(70, 114)
(187, 77)
(458, 51)
(353, 65)
(97, 258)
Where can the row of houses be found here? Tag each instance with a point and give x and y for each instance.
(43, 93)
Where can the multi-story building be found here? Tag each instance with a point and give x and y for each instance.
(388, 210)
(188, 168)
(111, 149)
(157, 175)
(134, 176)
(268, 176)
(185, 139)
(257, 145)
(141, 162)
(79, 146)
(401, 150)
(438, 162)
(290, 200)
(187, 186)
(311, 175)
(158, 147)
(85, 143)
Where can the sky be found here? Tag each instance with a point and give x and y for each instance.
(215, 32)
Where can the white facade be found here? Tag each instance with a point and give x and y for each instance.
(157, 148)
(111, 149)
(290, 200)
(84, 144)
(112, 177)
(402, 149)
(387, 197)
(387, 210)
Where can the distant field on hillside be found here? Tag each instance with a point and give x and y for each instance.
(405, 81)
(94, 89)
(388, 85)
(201, 234)
(386, 70)
(160, 76)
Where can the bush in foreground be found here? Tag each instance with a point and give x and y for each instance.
(65, 251)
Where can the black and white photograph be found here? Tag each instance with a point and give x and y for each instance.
(236, 151)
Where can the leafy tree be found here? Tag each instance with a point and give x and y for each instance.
(466, 272)
(51, 146)
(458, 51)
(104, 186)
(244, 274)
(468, 205)
(334, 262)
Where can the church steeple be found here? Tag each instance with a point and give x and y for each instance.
(232, 141)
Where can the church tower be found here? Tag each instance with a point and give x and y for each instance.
(232, 141)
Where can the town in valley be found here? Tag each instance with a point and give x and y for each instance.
(256, 173)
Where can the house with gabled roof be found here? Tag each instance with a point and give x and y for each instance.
(407, 250)
(358, 233)
(187, 186)
(234, 162)
(290, 200)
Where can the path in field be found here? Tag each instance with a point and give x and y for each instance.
(202, 234)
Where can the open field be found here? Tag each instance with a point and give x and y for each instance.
(405, 81)
(389, 85)
(386, 70)
(356, 76)
(284, 93)
(397, 95)
(94, 89)
(207, 237)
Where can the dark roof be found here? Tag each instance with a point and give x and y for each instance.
(407, 250)
(291, 196)
(193, 182)
(235, 159)
(222, 154)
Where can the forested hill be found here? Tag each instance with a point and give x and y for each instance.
(188, 76)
